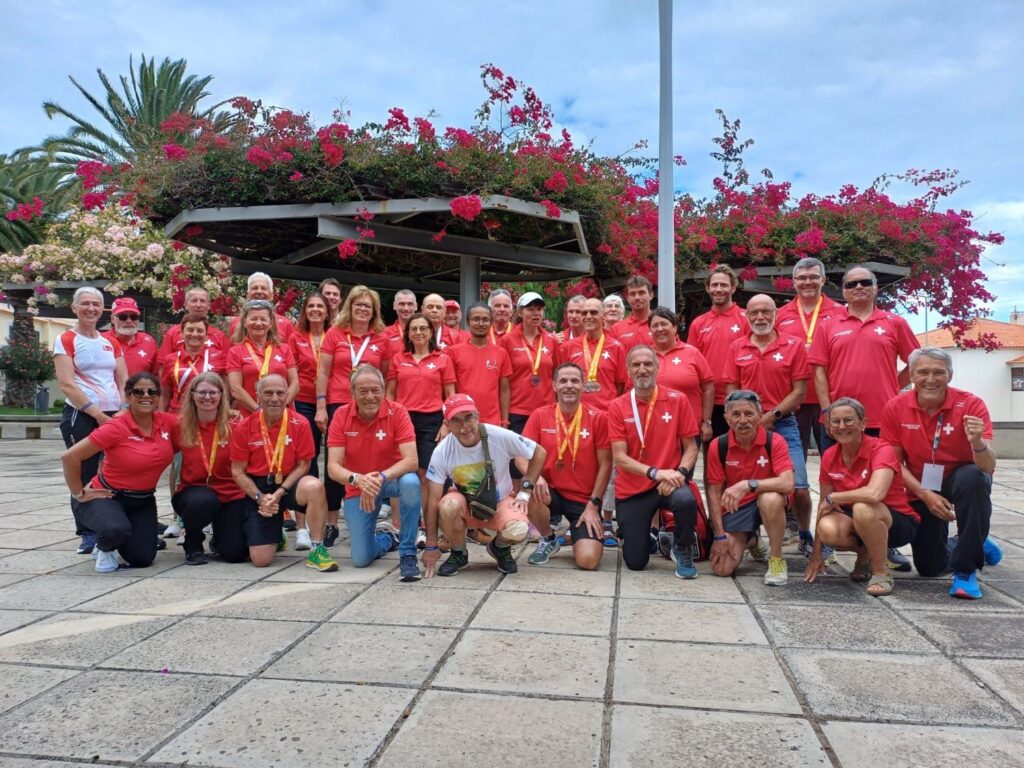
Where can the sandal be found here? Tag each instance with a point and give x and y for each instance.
(861, 572)
(880, 586)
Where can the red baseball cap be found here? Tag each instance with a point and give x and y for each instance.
(459, 403)
(124, 304)
(453, 305)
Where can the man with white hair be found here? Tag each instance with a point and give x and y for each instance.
(197, 302)
(614, 310)
(140, 351)
(502, 308)
(261, 286)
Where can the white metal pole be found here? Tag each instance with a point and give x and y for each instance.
(666, 230)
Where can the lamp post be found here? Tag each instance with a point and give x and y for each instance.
(666, 228)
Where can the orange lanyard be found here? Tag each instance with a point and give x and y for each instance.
(809, 330)
(275, 461)
(590, 363)
(208, 463)
(316, 353)
(642, 433)
(535, 366)
(179, 383)
(267, 352)
(570, 432)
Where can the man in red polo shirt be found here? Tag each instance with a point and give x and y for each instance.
(270, 454)
(260, 286)
(636, 329)
(371, 448)
(652, 431)
(943, 437)
(601, 357)
(197, 302)
(574, 326)
(405, 307)
(502, 309)
(576, 470)
(453, 314)
(713, 332)
(483, 369)
(140, 351)
(444, 335)
(749, 489)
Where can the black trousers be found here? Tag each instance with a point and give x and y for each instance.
(636, 513)
(807, 421)
(308, 410)
(124, 523)
(75, 426)
(970, 490)
(198, 507)
(335, 490)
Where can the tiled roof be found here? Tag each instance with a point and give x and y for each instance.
(1010, 335)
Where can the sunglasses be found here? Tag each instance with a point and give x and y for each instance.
(126, 316)
(865, 283)
(742, 396)
(140, 392)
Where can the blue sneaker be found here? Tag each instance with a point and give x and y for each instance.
(965, 586)
(610, 540)
(685, 569)
(993, 552)
(88, 543)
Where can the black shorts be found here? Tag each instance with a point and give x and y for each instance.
(719, 426)
(746, 519)
(426, 426)
(517, 422)
(261, 530)
(901, 532)
(572, 511)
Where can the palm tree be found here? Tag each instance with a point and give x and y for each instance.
(22, 179)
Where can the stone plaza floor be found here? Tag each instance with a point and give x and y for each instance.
(227, 665)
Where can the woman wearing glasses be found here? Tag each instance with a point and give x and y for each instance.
(206, 492)
(682, 367)
(119, 502)
(257, 352)
(181, 367)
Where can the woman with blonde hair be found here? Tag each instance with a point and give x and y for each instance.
(257, 352)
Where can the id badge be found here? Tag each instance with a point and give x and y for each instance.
(931, 477)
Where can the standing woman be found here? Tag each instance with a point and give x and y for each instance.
(421, 378)
(207, 493)
(682, 367)
(534, 354)
(182, 365)
(119, 503)
(91, 373)
(257, 353)
(357, 337)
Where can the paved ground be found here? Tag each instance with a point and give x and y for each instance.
(224, 665)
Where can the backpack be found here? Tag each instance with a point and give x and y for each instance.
(723, 446)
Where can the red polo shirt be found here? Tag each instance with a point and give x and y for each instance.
(240, 360)
(712, 334)
(172, 341)
(449, 336)
(611, 367)
(632, 331)
(684, 369)
(193, 465)
(526, 398)
(420, 385)
(374, 445)
(285, 329)
(140, 354)
(478, 373)
(906, 424)
(860, 358)
(247, 443)
(770, 373)
(180, 369)
(787, 321)
(575, 480)
(304, 351)
(671, 422)
(754, 463)
(874, 454)
(344, 347)
(133, 461)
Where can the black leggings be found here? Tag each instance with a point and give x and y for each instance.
(124, 523)
(198, 507)
(335, 490)
(970, 490)
(636, 513)
(75, 426)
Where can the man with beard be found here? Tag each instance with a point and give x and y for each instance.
(140, 352)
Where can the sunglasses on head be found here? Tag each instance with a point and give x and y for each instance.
(150, 392)
(867, 282)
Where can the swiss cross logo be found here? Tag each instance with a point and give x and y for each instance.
(777, 357)
(584, 433)
(381, 434)
(762, 461)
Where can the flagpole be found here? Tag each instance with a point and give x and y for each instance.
(666, 229)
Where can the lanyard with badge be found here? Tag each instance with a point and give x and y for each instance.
(356, 356)
(931, 476)
(590, 362)
(809, 329)
(642, 433)
(275, 460)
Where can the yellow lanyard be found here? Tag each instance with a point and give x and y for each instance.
(570, 432)
(316, 353)
(275, 462)
(809, 330)
(213, 452)
(256, 358)
(591, 362)
(540, 352)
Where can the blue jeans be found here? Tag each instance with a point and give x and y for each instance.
(787, 429)
(366, 545)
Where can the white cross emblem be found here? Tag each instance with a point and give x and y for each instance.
(287, 439)
(879, 330)
(208, 343)
(864, 474)
(606, 355)
(374, 348)
(165, 435)
(278, 358)
(948, 429)
(544, 350)
(584, 433)
(735, 328)
(676, 361)
(441, 344)
(666, 417)
(381, 434)
(142, 353)
(762, 461)
(431, 366)
(776, 357)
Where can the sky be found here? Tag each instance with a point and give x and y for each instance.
(832, 93)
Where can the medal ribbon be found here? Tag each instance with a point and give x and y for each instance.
(647, 421)
(275, 461)
(535, 365)
(184, 377)
(570, 432)
(809, 329)
(938, 434)
(267, 352)
(213, 452)
(316, 352)
(356, 356)
(590, 363)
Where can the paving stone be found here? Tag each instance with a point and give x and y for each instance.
(324, 724)
(288, 601)
(869, 745)
(693, 622)
(11, 619)
(39, 562)
(109, 715)
(439, 721)
(564, 581)
(32, 539)
(57, 592)
(563, 558)
(1004, 676)
(646, 736)
(361, 653)
(1014, 589)
(212, 646)
(830, 590)
(867, 628)
(75, 639)
(934, 596)
(35, 519)
(409, 604)
(217, 569)
(22, 683)
(554, 665)
(13, 578)
(86, 566)
(850, 684)
(1009, 569)
(345, 574)
(661, 584)
(730, 677)
(974, 635)
(536, 612)
(478, 575)
(164, 597)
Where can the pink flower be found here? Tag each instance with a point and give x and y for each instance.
(708, 244)
(461, 137)
(91, 200)
(553, 210)
(176, 123)
(297, 176)
(193, 230)
(347, 249)
(259, 157)
(175, 152)
(467, 207)
(397, 120)
(425, 129)
(366, 232)
(556, 182)
(750, 273)
(811, 240)
(437, 237)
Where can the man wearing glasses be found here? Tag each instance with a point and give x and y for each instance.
(140, 350)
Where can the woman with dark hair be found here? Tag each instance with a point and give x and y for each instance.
(195, 356)
(119, 502)
(257, 352)
(207, 493)
(683, 368)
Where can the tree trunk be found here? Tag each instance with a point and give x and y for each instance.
(19, 393)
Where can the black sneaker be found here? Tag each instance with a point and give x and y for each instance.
(161, 544)
(503, 557)
(456, 562)
(288, 521)
(330, 535)
(196, 557)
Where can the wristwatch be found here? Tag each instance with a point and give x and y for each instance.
(752, 485)
(352, 478)
(526, 485)
(778, 414)
(596, 501)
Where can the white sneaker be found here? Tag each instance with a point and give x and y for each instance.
(106, 562)
(208, 530)
(302, 540)
(385, 512)
(174, 530)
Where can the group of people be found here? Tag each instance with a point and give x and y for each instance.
(509, 430)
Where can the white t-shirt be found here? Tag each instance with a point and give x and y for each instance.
(465, 466)
(94, 369)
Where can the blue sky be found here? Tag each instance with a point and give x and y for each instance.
(831, 92)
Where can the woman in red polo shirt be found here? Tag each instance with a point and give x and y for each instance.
(119, 502)
(257, 352)
(683, 368)
(206, 492)
(864, 506)
(187, 362)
